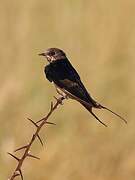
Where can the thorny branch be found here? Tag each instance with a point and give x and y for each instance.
(39, 124)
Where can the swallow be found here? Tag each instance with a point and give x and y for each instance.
(68, 83)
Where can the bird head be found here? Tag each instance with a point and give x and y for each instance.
(53, 54)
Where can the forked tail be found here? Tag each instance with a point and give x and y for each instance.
(89, 108)
(99, 106)
(103, 107)
(93, 104)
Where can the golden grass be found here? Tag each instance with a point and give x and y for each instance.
(99, 38)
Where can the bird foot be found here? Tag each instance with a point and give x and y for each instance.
(60, 99)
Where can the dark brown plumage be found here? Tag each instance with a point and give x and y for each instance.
(68, 82)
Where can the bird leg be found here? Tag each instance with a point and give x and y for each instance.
(59, 100)
(61, 93)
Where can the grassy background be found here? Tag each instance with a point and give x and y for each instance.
(99, 38)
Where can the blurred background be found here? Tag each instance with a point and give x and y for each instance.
(99, 39)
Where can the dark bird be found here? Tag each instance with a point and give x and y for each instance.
(67, 81)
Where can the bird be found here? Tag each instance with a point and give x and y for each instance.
(67, 81)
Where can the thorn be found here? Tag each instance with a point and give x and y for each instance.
(16, 174)
(40, 140)
(51, 106)
(21, 174)
(14, 156)
(30, 155)
(43, 119)
(40, 120)
(20, 148)
(47, 122)
(32, 122)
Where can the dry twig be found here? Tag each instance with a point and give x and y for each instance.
(39, 124)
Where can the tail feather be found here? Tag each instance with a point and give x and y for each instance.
(91, 105)
(89, 108)
(99, 106)
(103, 107)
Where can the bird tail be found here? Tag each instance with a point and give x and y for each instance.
(93, 104)
(89, 108)
(99, 106)
(103, 107)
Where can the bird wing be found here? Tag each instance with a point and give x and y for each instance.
(71, 87)
(67, 78)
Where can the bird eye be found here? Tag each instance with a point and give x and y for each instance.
(52, 53)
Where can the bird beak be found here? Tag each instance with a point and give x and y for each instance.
(42, 54)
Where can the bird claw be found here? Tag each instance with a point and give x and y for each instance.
(60, 99)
